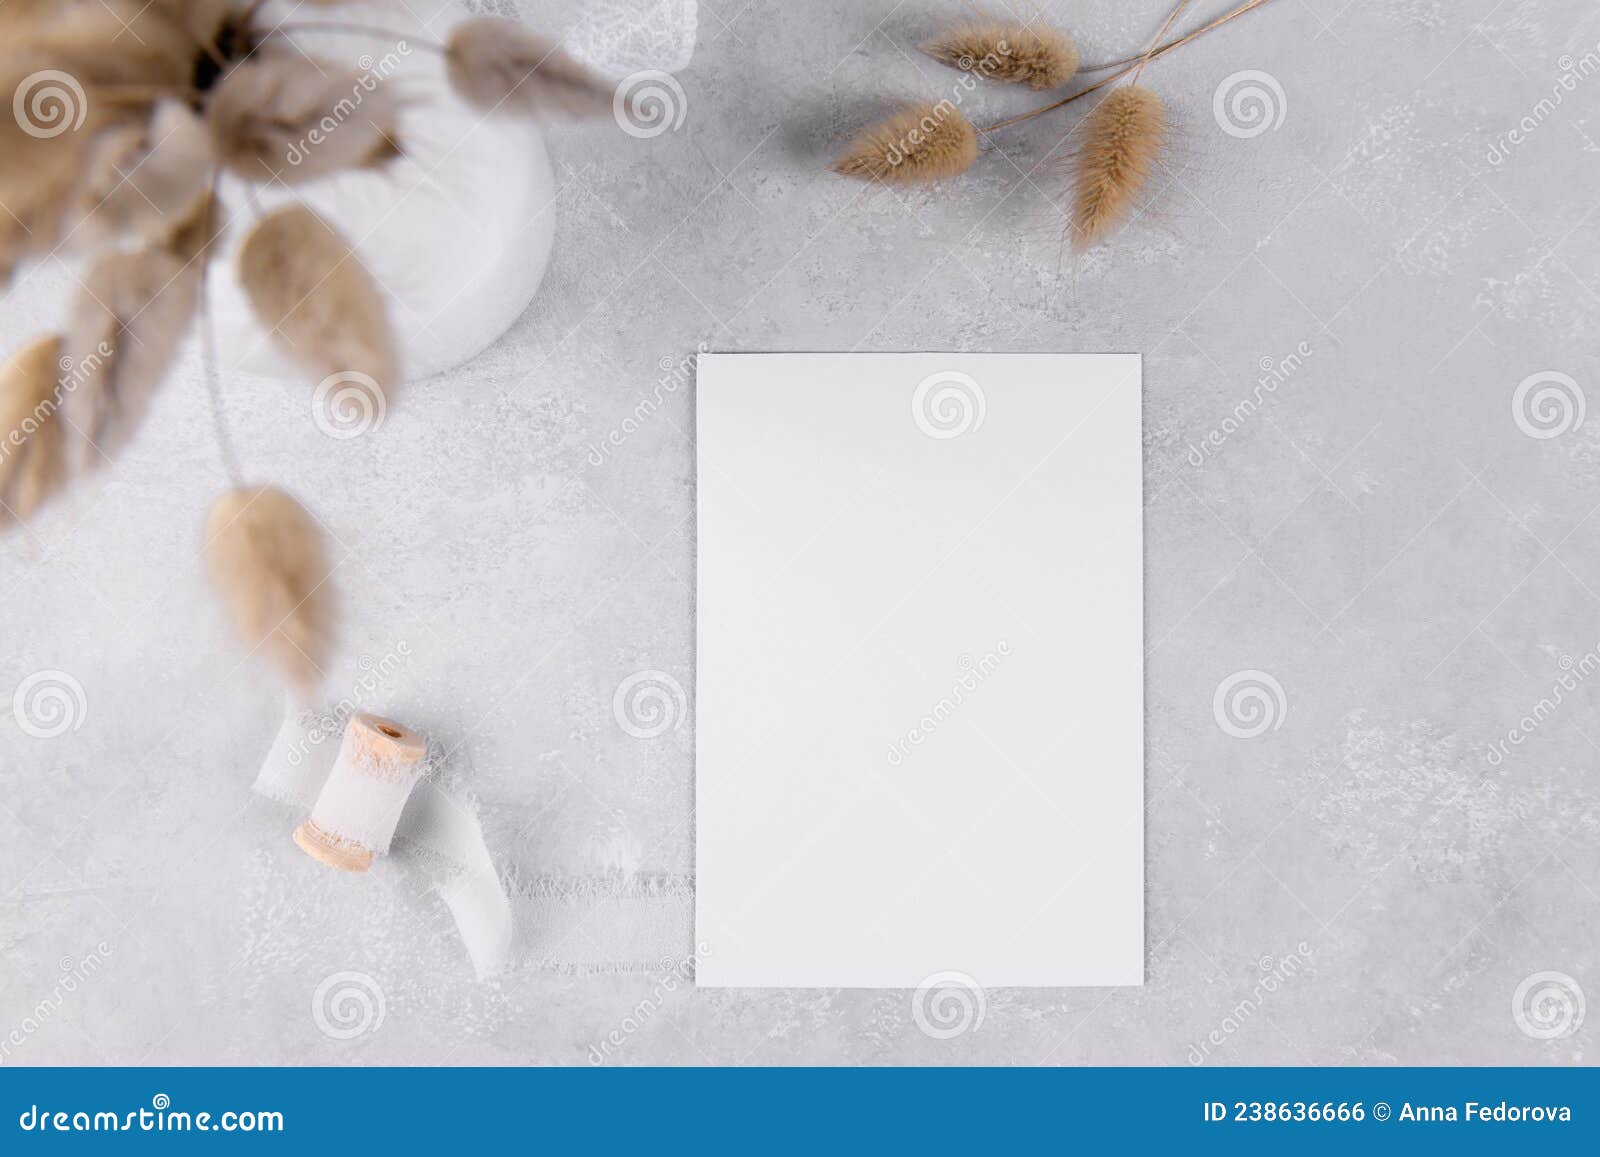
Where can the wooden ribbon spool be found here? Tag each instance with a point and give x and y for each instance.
(379, 762)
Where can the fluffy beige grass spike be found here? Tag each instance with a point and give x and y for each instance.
(1038, 57)
(266, 555)
(264, 113)
(37, 173)
(128, 319)
(122, 54)
(1120, 141)
(192, 237)
(311, 292)
(139, 178)
(495, 64)
(114, 43)
(30, 472)
(920, 143)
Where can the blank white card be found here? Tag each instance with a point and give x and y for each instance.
(919, 712)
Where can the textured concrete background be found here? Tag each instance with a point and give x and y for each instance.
(1392, 537)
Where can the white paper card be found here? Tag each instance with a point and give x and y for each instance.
(919, 711)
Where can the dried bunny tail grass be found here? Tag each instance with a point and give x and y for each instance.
(115, 44)
(45, 136)
(128, 319)
(311, 292)
(266, 556)
(265, 112)
(1040, 58)
(30, 434)
(19, 15)
(35, 182)
(494, 63)
(1121, 138)
(141, 180)
(192, 236)
(920, 143)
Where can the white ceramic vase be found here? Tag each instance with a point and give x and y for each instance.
(457, 231)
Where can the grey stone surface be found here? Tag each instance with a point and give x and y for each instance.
(1380, 534)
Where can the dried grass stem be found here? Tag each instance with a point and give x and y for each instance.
(358, 30)
(1129, 66)
(1171, 20)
